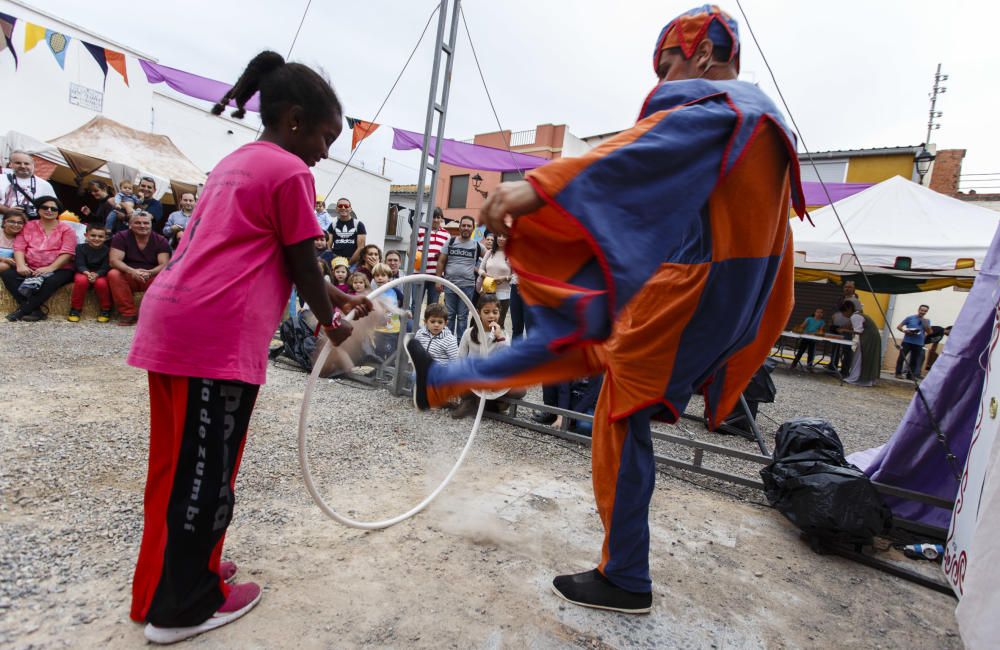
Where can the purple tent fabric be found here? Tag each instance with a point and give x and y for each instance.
(913, 458)
(191, 84)
(816, 196)
(469, 156)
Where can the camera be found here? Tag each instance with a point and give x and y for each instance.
(30, 211)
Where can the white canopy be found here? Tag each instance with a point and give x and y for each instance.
(897, 218)
(105, 148)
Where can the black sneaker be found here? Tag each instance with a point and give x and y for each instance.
(34, 316)
(592, 589)
(15, 315)
(421, 362)
(544, 418)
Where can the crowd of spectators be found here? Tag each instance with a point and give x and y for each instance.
(112, 246)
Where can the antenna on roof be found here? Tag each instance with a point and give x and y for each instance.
(932, 124)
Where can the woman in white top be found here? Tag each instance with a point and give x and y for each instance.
(496, 266)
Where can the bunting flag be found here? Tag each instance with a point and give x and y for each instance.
(117, 61)
(97, 52)
(361, 130)
(7, 25)
(32, 35)
(58, 44)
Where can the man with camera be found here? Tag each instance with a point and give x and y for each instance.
(19, 187)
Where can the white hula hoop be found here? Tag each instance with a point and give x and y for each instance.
(307, 402)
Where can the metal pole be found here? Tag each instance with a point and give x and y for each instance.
(438, 107)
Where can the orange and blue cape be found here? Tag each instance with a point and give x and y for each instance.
(666, 250)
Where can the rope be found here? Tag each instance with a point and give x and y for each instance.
(949, 455)
(488, 96)
(389, 94)
(302, 21)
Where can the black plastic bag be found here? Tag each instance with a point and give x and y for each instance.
(812, 484)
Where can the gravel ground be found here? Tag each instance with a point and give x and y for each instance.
(472, 571)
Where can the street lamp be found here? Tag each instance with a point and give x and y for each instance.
(477, 180)
(923, 161)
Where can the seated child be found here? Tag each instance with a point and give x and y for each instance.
(434, 337)
(360, 284)
(125, 193)
(488, 307)
(92, 267)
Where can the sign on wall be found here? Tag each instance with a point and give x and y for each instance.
(86, 97)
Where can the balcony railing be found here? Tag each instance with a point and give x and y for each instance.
(520, 138)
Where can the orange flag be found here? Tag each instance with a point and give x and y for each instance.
(360, 130)
(117, 61)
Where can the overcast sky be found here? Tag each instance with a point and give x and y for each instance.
(856, 73)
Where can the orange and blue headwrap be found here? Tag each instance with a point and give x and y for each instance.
(693, 26)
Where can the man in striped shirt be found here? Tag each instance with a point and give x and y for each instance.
(439, 237)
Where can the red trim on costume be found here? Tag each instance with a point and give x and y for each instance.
(732, 139)
(798, 201)
(598, 253)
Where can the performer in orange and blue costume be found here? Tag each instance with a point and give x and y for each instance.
(663, 258)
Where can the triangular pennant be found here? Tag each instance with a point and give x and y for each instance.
(7, 26)
(97, 52)
(32, 35)
(360, 130)
(58, 44)
(117, 61)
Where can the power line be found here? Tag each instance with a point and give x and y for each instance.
(949, 456)
(389, 94)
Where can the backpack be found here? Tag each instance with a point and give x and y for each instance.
(298, 341)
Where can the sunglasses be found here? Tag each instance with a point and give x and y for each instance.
(343, 205)
(48, 208)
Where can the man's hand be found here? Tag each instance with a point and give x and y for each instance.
(338, 333)
(508, 202)
(361, 306)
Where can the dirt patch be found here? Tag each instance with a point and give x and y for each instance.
(473, 570)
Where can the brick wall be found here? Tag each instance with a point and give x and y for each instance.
(947, 167)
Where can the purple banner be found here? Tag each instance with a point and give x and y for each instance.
(913, 458)
(191, 84)
(469, 156)
(816, 196)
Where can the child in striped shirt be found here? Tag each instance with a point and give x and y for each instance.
(439, 341)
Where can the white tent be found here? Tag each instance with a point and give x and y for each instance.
(898, 228)
(105, 148)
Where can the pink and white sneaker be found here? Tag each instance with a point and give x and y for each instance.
(242, 598)
(228, 571)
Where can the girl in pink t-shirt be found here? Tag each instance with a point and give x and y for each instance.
(203, 335)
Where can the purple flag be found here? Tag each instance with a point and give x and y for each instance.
(815, 195)
(191, 84)
(469, 156)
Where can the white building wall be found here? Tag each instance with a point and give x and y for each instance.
(573, 146)
(42, 109)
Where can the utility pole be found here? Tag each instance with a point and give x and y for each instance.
(437, 107)
(932, 124)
